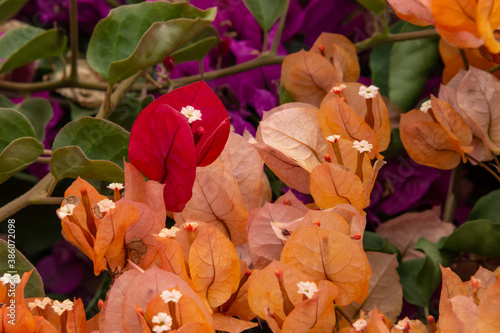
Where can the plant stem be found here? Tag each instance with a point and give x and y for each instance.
(43, 159)
(464, 59)
(46, 200)
(482, 165)
(265, 36)
(494, 68)
(381, 39)
(451, 199)
(97, 294)
(385, 27)
(39, 190)
(339, 309)
(279, 31)
(73, 26)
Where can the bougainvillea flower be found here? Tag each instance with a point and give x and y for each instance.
(185, 128)
(100, 235)
(438, 138)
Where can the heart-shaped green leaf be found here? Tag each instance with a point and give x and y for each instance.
(20, 265)
(479, 237)
(100, 144)
(18, 155)
(13, 125)
(198, 47)
(9, 8)
(71, 162)
(487, 207)
(266, 12)
(134, 37)
(26, 44)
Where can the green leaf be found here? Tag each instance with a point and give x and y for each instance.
(479, 237)
(375, 6)
(266, 12)
(198, 47)
(410, 64)
(9, 8)
(134, 37)
(34, 287)
(380, 60)
(284, 95)
(100, 144)
(26, 44)
(6, 103)
(18, 155)
(13, 125)
(421, 277)
(487, 207)
(127, 111)
(39, 111)
(71, 162)
(377, 243)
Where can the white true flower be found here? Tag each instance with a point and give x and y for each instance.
(307, 288)
(164, 322)
(362, 146)
(66, 210)
(12, 279)
(60, 307)
(403, 324)
(171, 296)
(338, 89)
(105, 205)
(425, 106)
(39, 303)
(368, 92)
(168, 233)
(191, 113)
(333, 138)
(191, 226)
(116, 186)
(360, 325)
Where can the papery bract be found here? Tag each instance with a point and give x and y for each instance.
(333, 256)
(166, 147)
(405, 230)
(263, 243)
(217, 201)
(417, 12)
(214, 267)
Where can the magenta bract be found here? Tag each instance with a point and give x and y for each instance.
(165, 147)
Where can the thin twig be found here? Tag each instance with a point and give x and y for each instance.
(279, 31)
(339, 309)
(450, 205)
(481, 164)
(73, 27)
(43, 159)
(381, 39)
(463, 55)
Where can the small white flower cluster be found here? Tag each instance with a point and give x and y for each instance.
(403, 325)
(168, 233)
(12, 279)
(66, 210)
(164, 322)
(171, 296)
(425, 106)
(60, 307)
(115, 186)
(338, 89)
(362, 146)
(307, 288)
(360, 325)
(105, 205)
(38, 303)
(191, 113)
(333, 138)
(368, 92)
